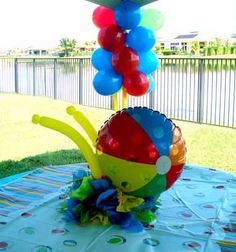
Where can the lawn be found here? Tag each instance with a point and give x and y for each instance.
(20, 139)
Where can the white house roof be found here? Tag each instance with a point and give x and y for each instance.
(187, 36)
(196, 35)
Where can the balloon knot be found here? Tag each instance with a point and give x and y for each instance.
(71, 110)
(36, 119)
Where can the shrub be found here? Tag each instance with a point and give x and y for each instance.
(169, 52)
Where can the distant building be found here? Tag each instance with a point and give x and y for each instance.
(36, 52)
(2, 53)
(14, 52)
(89, 46)
(184, 42)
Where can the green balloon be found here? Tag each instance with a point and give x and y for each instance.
(154, 188)
(153, 19)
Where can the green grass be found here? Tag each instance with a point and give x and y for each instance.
(20, 139)
(10, 167)
(210, 146)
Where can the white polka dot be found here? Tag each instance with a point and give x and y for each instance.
(163, 165)
(158, 132)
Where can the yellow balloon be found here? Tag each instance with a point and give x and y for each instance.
(115, 102)
(84, 123)
(124, 98)
(87, 150)
(123, 173)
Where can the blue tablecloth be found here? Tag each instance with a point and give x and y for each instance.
(13, 177)
(197, 214)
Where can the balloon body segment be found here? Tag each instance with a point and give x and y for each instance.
(103, 17)
(125, 60)
(141, 39)
(107, 82)
(111, 38)
(102, 59)
(148, 62)
(128, 15)
(152, 19)
(136, 83)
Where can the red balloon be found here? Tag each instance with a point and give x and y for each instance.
(122, 137)
(136, 83)
(111, 38)
(125, 60)
(103, 16)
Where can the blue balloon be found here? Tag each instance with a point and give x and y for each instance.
(151, 83)
(128, 15)
(148, 62)
(141, 39)
(107, 82)
(101, 59)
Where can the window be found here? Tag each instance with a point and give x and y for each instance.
(174, 46)
(184, 46)
(202, 44)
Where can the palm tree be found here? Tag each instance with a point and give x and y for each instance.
(68, 46)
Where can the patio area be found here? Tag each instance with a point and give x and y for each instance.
(196, 214)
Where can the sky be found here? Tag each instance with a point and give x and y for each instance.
(34, 23)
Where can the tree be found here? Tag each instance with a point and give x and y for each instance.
(157, 48)
(68, 46)
(216, 45)
(195, 47)
(90, 43)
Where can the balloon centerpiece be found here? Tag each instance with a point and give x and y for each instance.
(138, 153)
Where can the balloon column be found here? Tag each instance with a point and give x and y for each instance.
(125, 58)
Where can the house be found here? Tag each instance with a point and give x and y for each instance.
(36, 52)
(88, 46)
(3, 53)
(184, 42)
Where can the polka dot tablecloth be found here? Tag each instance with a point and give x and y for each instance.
(197, 214)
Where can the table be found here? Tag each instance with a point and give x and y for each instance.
(197, 214)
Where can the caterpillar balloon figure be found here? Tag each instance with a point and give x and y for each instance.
(138, 149)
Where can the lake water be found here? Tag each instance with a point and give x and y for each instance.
(184, 92)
